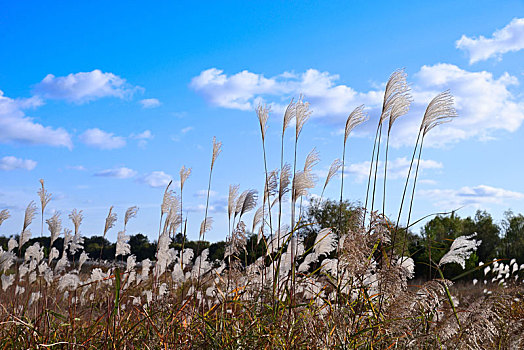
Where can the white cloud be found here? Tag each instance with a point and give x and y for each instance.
(101, 139)
(156, 179)
(84, 86)
(76, 167)
(510, 38)
(203, 193)
(397, 168)
(150, 103)
(143, 137)
(475, 196)
(16, 127)
(186, 129)
(118, 173)
(485, 103)
(426, 182)
(12, 163)
(244, 90)
(216, 207)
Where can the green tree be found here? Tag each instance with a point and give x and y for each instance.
(141, 247)
(487, 231)
(513, 242)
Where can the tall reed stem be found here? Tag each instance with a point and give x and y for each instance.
(369, 176)
(385, 176)
(376, 169)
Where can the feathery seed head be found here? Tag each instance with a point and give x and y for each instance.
(110, 220)
(301, 183)
(289, 115)
(206, 225)
(263, 115)
(439, 111)
(184, 174)
(44, 196)
(395, 87)
(355, 118)
(312, 159)
(168, 198)
(76, 217)
(460, 250)
(30, 212)
(270, 188)
(217, 148)
(399, 106)
(239, 203)
(245, 202)
(302, 114)
(54, 225)
(11, 245)
(325, 242)
(4, 215)
(233, 192)
(333, 169)
(130, 213)
(285, 175)
(122, 247)
(250, 201)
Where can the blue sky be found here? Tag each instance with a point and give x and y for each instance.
(106, 101)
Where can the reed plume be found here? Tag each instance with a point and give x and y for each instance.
(439, 111)
(395, 87)
(130, 213)
(355, 118)
(399, 106)
(333, 169)
(54, 225)
(29, 215)
(110, 221)
(76, 217)
(44, 199)
(4, 215)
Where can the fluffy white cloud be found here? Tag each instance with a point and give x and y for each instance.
(509, 38)
(244, 90)
(156, 179)
(447, 199)
(16, 127)
(12, 163)
(84, 86)
(485, 103)
(397, 168)
(101, 139)
(143, 137)
(150, 103)
(118, 173)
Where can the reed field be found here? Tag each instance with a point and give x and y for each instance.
(347, 286)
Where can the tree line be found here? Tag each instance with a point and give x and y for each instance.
(503, 240)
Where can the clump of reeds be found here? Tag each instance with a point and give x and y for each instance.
(349, 288)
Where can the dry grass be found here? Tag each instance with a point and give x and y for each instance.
(349, 290)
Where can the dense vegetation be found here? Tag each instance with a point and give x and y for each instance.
(504, 240)
(337, 276)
